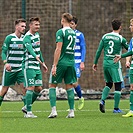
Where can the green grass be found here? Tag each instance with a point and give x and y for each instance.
(89, 120)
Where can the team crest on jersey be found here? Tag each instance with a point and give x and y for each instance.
(58, 37)
(55, 82)
(4, 44)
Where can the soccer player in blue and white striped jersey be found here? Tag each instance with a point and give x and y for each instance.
(80, 53)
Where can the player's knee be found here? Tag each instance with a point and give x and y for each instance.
(118, 86)
(109, 84)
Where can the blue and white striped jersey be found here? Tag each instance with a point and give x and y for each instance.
(80, 48)
(130, 45)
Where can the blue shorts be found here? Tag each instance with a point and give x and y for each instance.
(78, 71)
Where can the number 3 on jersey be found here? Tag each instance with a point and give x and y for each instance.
(111, 45)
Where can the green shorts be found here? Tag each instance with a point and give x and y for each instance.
(67, 73)
(112, 74)
(10, 78)
(32, 77)
(131, 76)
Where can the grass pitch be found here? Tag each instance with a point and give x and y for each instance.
(88, 120)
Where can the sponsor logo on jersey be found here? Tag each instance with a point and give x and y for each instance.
(38, 81)
(36, 43)
(16, 46)
(20, 45)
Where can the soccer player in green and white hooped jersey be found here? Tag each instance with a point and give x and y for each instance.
(63, 65)
(32, 60)
(12, 56)
(112, 44)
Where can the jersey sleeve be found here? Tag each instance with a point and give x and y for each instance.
(41, 57)
(125, 44)
(83, 47)
(98, 52)
(59, 36)
(5, 47)
(28, 45)
(127, 54)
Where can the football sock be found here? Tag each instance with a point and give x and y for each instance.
(117, 96)
(29, 94)
(1, 99)
(24, 99)
(52, 96)
(105, 93)
(78, 91)
(131, 100)
(70, 96)
(35, 95)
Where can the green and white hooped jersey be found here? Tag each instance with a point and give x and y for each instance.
(34, 42)
(13, 51)
(68, 37)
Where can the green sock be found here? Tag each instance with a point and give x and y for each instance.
(105, 93)
(131, 100)
(24, 99)
(35, 95)
(29, 94)
(52, 96)
(70, 96)
(1, 99)
(117, 96)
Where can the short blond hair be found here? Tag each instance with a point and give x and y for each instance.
(131, 20)
(67, 16)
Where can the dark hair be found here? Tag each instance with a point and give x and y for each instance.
(67, 16)
(34, 19)
(116, 23)
(75, 20)
(19, 21)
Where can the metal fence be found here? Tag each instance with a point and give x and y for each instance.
(94, 16)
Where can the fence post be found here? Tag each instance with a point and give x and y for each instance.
(24, 9)
(70, 6)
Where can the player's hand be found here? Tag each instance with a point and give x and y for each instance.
(54, 70)
(44, 67)
(127, 64)
(38, 59)
(117, 58)
(43, 64)
(82, 66)
(8, 67)
(94, 67)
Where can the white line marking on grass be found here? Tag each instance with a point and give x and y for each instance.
(40, 111)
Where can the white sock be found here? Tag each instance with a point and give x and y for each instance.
(54, 108)
(29, 112)
(131, 111)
